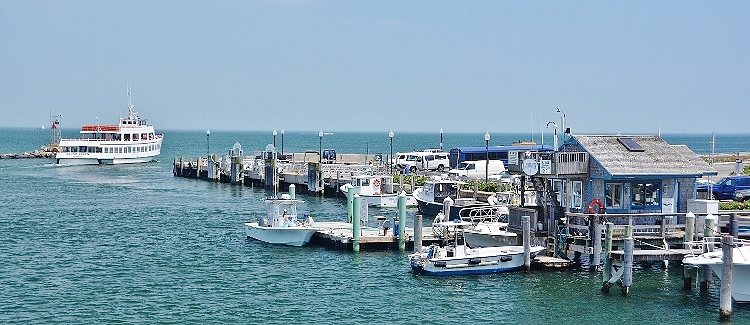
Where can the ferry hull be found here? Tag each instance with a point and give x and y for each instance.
(95, 161)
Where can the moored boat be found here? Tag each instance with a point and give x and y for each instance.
(280, 224)
(740, 265)
(376, 190)
(132, 140)
(431, 195)
(459, 259)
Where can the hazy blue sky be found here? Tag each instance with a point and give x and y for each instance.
(476, 66)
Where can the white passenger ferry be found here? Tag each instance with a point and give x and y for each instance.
(132, 141)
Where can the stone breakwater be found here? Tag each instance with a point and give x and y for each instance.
(33, 154)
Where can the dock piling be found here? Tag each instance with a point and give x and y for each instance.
(418, 233)
(607, 271)
(349, 204)
(526, 222)
(293, 191)
(725, 298)
(597, 239)
(355, 223)
(708, 231)
(627, 276)
(402, 221)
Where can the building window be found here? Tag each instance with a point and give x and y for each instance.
(613, 196)
(577, 194)
(645, 195)
(558, 188)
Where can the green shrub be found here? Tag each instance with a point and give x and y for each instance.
(734, 205)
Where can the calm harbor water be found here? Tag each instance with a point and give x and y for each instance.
(133, 244)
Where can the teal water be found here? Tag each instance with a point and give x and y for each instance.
(133, 244)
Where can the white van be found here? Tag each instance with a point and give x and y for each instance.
(424, 160)
(434, 161)
(478, 169)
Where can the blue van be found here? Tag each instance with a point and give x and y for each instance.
(724, 189)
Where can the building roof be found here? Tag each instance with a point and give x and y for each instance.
(649, 156)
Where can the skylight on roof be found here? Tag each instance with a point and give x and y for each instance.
(630, 144)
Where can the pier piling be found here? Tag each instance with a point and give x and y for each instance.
(355, 223)
(402, 221)
(607, 271)
(597, 239)
(627, 276)
(725, 298)
(708, 231)
(418, 233)
(526, 222)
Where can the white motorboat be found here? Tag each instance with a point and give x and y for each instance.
(490, 234)
(376, 190)
(280, 225)
(740, 266)
(459, 259)
(131, 141)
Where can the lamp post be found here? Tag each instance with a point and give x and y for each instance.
(274, 139)
(390, 158)
(441, 139)
(282, 142)
(562, 120)
(320, 152)
(487, 157)
(555, 126)
(208, 143)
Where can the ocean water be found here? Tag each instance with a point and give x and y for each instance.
(134, 244)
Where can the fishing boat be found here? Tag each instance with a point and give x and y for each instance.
(430, 198)
(376, 190)
(130, 141)
(280, 224)
(459, 259)
(740, 265)
(490, 234)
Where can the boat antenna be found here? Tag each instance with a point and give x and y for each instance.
(131, 113)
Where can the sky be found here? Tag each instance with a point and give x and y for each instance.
(633, 67)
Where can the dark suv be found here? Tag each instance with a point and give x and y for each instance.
(725, 188)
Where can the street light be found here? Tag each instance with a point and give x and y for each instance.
(390, 158)
(282, 142)
(562, 119)
(441, 139)
(274, 139)
(208, 144)
(320, 152)
(555, 126)
(487, 157)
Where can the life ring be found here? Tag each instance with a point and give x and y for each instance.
(376, 183)
(599, 206)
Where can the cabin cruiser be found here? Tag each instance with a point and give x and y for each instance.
(431, 196)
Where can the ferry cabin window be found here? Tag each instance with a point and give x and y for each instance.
(645, 195)
(577, 194)
(613, 196)
(126, 137)
(135, 137)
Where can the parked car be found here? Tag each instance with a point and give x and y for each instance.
(742, 195)
(725, 188)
